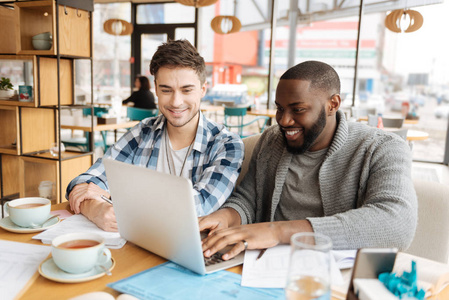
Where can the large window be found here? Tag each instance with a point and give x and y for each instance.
(409, 73)
(395, 70)
(112, 70)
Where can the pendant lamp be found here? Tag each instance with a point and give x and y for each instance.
(394, 19)
(196, 3)
(225, 24)
(118, 27)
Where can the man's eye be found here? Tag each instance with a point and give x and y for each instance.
(166, 91)
(187, 91)
(279, 109)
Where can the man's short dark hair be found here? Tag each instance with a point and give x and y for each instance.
(178, 53)
(321, 76)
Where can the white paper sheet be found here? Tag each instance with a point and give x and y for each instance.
(79, 223)
(344, 258)
(18, 263)
(270, 271)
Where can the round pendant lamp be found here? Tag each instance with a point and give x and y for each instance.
(396, 17)
(118, 27)
(196, 3)
(225, 24)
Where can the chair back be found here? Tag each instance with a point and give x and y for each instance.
(393, 122)
(373, 120)
(235, 111)
(402, 133)
(432, 233)
(249, 143)
(138, 114)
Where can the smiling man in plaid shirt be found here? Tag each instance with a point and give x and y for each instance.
(180, 141)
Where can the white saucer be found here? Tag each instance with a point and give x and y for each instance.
(50, 270)
(8, 225)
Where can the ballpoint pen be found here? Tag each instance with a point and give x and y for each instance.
(106, 199)
(261, 253)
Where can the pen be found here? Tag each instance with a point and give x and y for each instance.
(106, 199)
(261, 253)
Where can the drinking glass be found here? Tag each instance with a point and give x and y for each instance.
(54, 149)
(309, 267)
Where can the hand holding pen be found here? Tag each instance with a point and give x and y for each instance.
(106, 199)
(261, 253)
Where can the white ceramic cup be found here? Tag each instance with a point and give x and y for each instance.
(79, 260)
(28, 216)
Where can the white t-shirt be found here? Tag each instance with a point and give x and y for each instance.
(173, 160)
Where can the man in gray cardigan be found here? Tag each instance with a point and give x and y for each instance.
(315, 172)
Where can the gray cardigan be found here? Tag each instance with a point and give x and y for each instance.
(365, 184)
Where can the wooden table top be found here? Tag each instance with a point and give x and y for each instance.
(130, 259)
(101, 127)
(406, 121)
(212, 108)
(263, 112)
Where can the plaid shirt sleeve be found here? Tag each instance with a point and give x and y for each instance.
(214, 180)
(130, 145)
(217, 159)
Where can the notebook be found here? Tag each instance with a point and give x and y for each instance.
(156, 211)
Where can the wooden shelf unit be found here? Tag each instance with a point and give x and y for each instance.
(44, 73)
(8, 30)
(9, 130)
(35, 17)
(10, 175)
(33, 170)
(28, 129)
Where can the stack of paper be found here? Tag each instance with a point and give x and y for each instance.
(270, 271)
(18, 263)
(79, 223)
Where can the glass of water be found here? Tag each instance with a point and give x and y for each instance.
(309, 268)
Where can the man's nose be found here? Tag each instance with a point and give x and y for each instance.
(176, 100)
(285, 120)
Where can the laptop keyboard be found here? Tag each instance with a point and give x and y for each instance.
(214, 259)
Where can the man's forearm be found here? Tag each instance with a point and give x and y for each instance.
(90, 208)
(232, 216)
(287, 228)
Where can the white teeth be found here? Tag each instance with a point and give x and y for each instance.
(292, 132)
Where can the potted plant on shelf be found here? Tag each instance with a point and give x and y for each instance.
(6, 88)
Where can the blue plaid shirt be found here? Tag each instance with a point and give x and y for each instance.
(217, 156)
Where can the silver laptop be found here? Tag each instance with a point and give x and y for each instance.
(156, 211)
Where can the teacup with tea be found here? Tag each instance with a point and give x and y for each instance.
(29, 211)
(78, 253)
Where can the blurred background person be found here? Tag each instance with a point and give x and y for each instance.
(143, 97)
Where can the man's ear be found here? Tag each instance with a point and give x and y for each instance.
(334, 104)
(204, 89)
